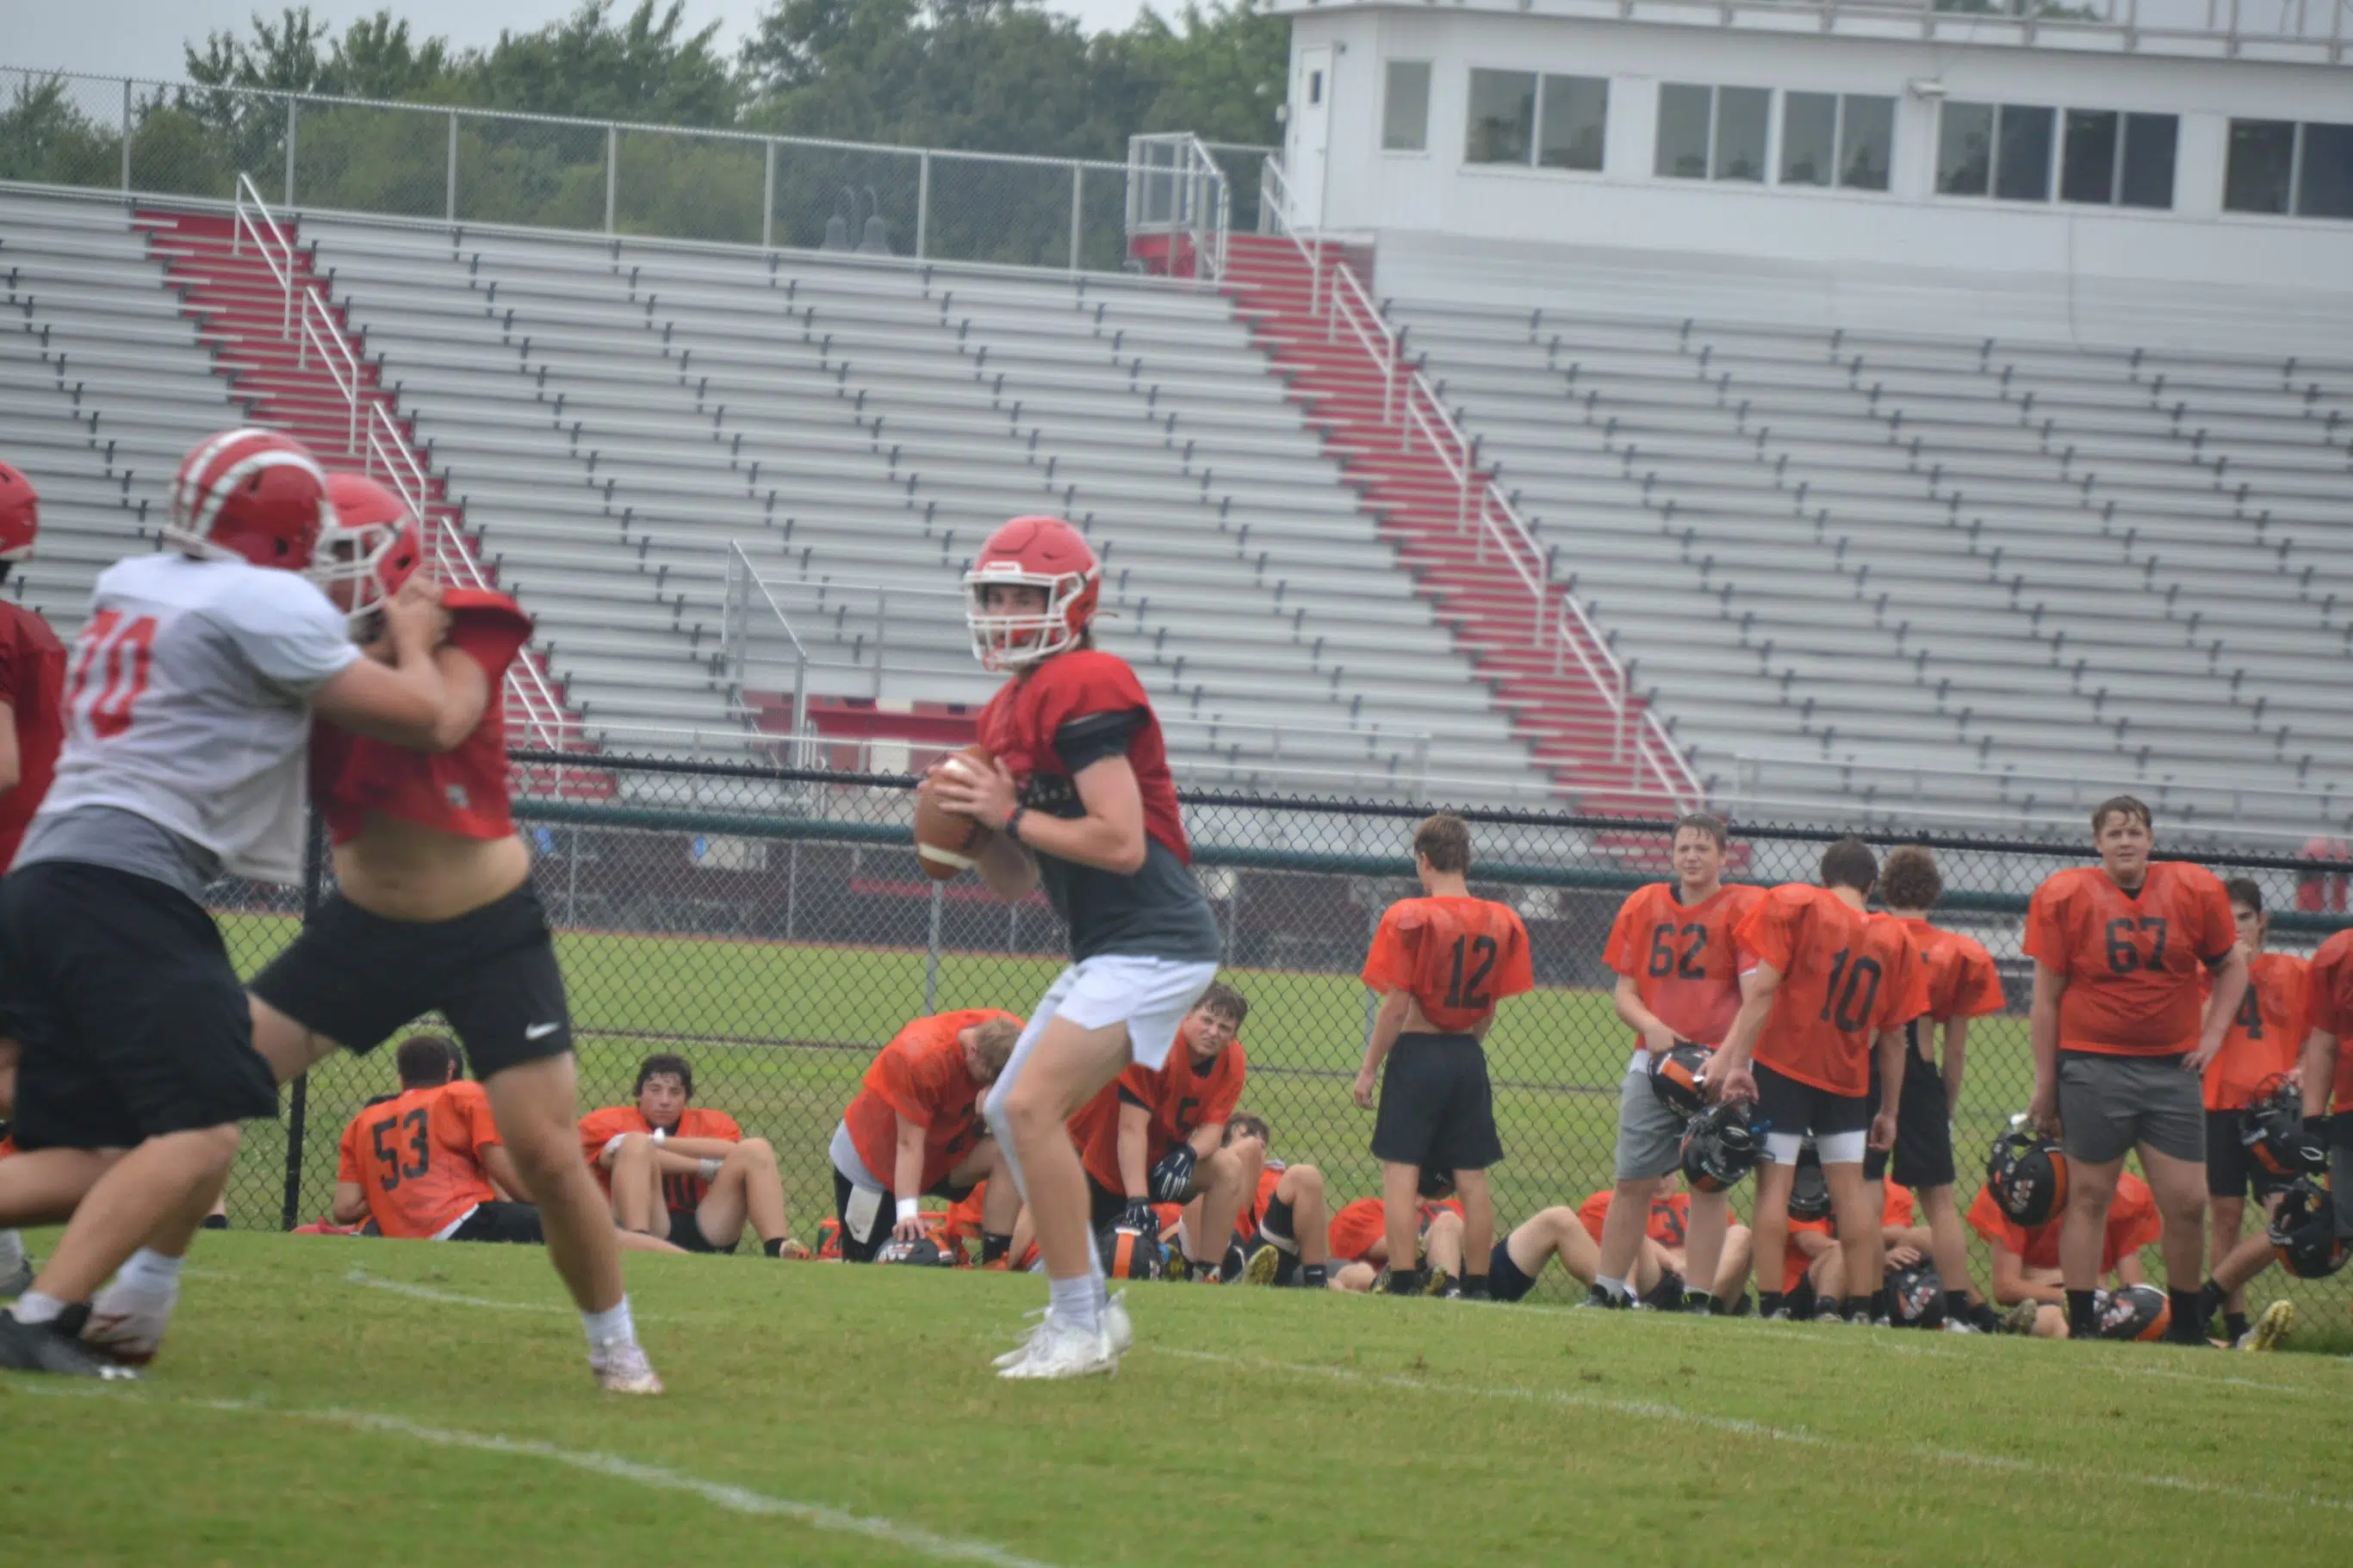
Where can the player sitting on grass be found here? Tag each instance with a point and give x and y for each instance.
(1358, 1239)
(1666, 1249)
(1825, 986)
(1670, 947)
(2026, 1273)
(1814, 1236)
(685, 1174)
(917, 1116)
(1158, 1135)
(1962, 984)
(1441, 964)
(1283, 1233)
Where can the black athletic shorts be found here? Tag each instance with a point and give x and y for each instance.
(1924, 1129)
(1796, 1108)
(356, 977)
(1278, 1226)
(1437, 1110)
(2231, 1171)
(1505, 1281)
(886, 1216)
(517, 1223)
(130, 1019)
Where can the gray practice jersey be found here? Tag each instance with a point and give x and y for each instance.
(187, 704)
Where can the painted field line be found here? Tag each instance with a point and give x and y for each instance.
(718, 1494)
(1660, 1411)
(361, 1276)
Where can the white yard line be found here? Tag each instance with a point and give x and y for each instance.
(361, 1276)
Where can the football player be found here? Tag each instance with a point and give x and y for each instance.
(1962, 984)
(433, 909)
(188, 701)
(1281, 1230)
(1825, 985)
(1441, 964)
(1358, 1238)
(1158, 1135)
(2119, 1048)
(683, 1173)
(1670, 948)
(2328, 1071)
(917, 1115)
(2026, 1272)
(2261, 1046)
(1078, 799)
(1666, 1244)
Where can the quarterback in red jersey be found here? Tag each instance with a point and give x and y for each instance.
(1078, 800)
(433, 911)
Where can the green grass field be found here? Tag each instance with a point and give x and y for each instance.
(331, 1401)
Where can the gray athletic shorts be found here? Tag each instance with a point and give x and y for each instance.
(1649, 1136)
(2108, 1104)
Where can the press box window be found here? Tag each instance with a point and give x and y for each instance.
(2279, 166)
(1502, 116)
(2118, 160)
(1713, 133)
(1553, 122)
(1828, 138)
(1405, 106)
(2001, 150)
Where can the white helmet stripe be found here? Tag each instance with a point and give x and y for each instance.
(190, 482)
(218, 490)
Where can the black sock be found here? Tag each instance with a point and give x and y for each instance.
(1405, 1281)
(1769, 1302)
(2187, 1327)
(2234, 1326)
(1984, 1317)
(774, 1247)
(1474, 1286)
(215, 1221)
(1857, 1307)
(2210, 1298)
(1311, 1274)
(993, 1248)
(2083, 1315)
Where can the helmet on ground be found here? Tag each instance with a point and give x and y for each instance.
(374, 546)
(1131, 1254)
(2272, 1131)
(1809, 1189)
(2303, 1232)
(1720, 1147)
(1436, 1185)
(923, 1251)
(1676, 1078)
(249, 495)
(1041, 553)
(2028, 1174)
(1916, 1296)
(20, 515)
(2135, 1312)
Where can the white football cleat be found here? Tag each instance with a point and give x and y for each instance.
(128, 1326)
(1116, 1328)
(1961, 1326)
(1020, 1351)
(623, 1369)
(1062, 1350)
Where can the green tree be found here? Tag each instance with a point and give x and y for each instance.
(45, 137)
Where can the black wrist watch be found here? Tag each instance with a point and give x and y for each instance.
(1012, 829)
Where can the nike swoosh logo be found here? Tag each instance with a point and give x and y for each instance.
(541, 1031)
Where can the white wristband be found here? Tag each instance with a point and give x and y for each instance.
(660, 1133)
(613, 1143)
(909, 1208)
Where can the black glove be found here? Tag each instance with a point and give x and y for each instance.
(1172, 1179)
(1140, 1218)
(2312, 1149)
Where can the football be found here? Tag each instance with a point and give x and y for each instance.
(944, 839)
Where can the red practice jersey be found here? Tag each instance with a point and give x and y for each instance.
(2266, 1033)
(681, 1190)
(1897, 1211)
(1680, 956)
(1669, 1215)
(1845, 976)
(1455, 957)
(2131, 959)
(2133, 1223)
(921, 1075)
(1360, 1224)
(1962, 980)
(462, 791)
(1182, 1098)
(32, 682)
(2328, 1007)
(418, 1157)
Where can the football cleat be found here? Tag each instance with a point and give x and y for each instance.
(1604, 1300)
(53, 1347)
(1264, 1266)
(1063, 1350)
(1961, 1326)
(2020, 1318)
(1021, 1346)
(623, 1369)
(2270, 1328)
(15, 1268)
(128, 1326)
(1116, 1328)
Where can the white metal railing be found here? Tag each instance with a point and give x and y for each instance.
(1411, 405)
(1176, 188)
(376, 440)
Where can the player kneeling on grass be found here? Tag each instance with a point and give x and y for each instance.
(685, 1174)
(2026, 1273)
(1826, 984)
(917, 1116)
(1441, 964)
(1158, 1136)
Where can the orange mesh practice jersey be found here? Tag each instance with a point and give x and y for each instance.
(418, 1158)
(2328, 1007)
(1680, 956)
(1795, 1263)
(1455, 957)
(1845, 976)
(921, 1075)
(2266, 1035)
(1183, 1097)
(1670, 1216)
(2131, 961)
(1896, 1208)
(681, 1190)
(1962, 980)
(1360, 1224)
(2133, 1223)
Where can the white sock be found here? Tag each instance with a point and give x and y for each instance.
(613, 1326)
(151, 1274)
(12, 1248)
(1077, 1301)
(32, 1307)
(1618, 1288)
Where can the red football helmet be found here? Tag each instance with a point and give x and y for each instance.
(372, 547)
(249, 495)
(1043, 552)
(20, 515)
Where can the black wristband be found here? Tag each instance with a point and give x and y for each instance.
(1012, 829)
(2317, 1127)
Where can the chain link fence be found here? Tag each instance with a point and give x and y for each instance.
(774, 927)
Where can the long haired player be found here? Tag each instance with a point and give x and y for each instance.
(1077, 799)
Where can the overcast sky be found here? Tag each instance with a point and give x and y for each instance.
(143, 37)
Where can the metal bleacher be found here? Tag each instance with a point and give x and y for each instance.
(1990, 579)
